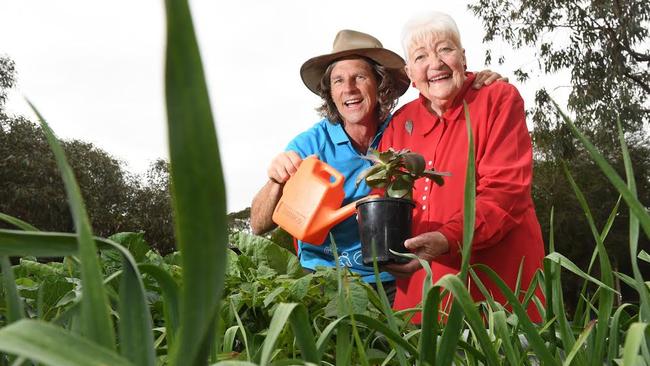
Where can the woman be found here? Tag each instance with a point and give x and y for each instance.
(507, 232)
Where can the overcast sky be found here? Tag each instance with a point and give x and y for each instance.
(95, 70)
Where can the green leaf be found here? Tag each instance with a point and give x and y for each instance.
(436, 177)
(136, 337)
(265, 252)
(297, 314)
(198, 190)
(51, 345)
(633, 339)
(134, 242)
(643, 255)
(566, 263)
(501, 327)
(374, 172)
(401, 187)
(536, 342)
(17, 222)
(463, 299)
(469, 201)
(579, 344)
(95, 315)
(15, 310)
(170, 294)
(633, 203)
(414, 163)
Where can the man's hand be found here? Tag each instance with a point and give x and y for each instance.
(283, 166)
(427, 246)
(487, 77)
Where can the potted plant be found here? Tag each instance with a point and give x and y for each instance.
(385, 222)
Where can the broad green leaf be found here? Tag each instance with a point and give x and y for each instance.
(134, 242)
(436, 177)
(198, 190)
(95, 315)
(401, 187)
(265, 252)
(50, 294)
(51, 345)
(414, 163)
(370, 173)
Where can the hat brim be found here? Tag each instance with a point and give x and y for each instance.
(313, 69)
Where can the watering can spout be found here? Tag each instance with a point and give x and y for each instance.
(346, 211)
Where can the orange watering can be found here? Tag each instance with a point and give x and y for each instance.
(311, 202)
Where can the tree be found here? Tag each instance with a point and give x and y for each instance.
(7, 78)
(31, 187)
(604, 46)
(151, 209)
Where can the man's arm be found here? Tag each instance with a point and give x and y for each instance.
(263, 206)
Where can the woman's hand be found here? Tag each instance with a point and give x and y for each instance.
(427, 246)
(283, 166)
(487, 77)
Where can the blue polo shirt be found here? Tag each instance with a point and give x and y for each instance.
(332, 145)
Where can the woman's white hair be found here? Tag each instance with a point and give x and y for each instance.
(425, 27)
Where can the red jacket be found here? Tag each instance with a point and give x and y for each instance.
(506, 229)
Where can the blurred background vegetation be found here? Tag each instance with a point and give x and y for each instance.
(604, 47)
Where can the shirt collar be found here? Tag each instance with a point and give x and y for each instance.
(338, 135)
(336, 132)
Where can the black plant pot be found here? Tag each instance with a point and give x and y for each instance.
(384, 223)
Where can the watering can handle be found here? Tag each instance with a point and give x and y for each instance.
(338, 178)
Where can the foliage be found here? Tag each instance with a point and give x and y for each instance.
(7, 79)
(604, 47)
(199, 327)
(397, 171)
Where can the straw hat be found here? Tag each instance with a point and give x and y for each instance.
(352, 43)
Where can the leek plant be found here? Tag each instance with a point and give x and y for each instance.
(108, 320)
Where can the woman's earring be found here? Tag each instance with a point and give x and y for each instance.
(413, 83)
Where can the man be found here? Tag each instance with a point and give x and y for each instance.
(359, 82)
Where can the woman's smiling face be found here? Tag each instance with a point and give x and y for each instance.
(437, 67)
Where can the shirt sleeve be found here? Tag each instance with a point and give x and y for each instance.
(503, 173)
(305, 144)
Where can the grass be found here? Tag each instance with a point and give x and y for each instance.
(199, 326)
